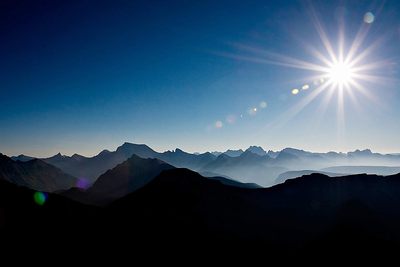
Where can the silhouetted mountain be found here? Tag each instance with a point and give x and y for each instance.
(314, 212)
(35, 174)
(379, 170)
(140, 150)
(257, 150)
(120, 181)
(294, 174)
(232, 182)
(129, 176)
(22, 158)
(54, 223)
(180, 209)
(92, 168)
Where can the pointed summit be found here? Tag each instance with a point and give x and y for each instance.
(22, 158)
(104, 152)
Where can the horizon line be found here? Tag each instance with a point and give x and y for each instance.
(158, 150)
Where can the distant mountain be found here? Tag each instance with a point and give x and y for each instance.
(92, 168)
(360, 153)
(182, 159)
(35, 174)
(247, 168)
(22, 158)
(285, 156)
(233, 153)
(295, 174)
(379, 170)
(272, 154)
(261, 169)
(257, 150)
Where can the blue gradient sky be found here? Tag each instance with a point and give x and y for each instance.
(81, 76)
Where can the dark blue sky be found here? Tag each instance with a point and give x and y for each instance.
(80, 76)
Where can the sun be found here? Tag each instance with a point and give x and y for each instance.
(340, 74)
(339, 71)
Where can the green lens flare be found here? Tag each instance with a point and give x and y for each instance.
(40, 198)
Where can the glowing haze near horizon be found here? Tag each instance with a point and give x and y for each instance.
(82, 76)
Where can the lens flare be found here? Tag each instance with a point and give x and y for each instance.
(219, 124)
(83, 183)
(40, 198)
(252, 111)
(263, 104)
(342, 69)
(369, 17)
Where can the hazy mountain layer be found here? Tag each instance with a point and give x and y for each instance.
(252, 166)
(127, 177)
(35, 174)
(92, 168)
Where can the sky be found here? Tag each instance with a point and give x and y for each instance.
(83, 76)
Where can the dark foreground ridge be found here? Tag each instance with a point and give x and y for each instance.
(181, 209)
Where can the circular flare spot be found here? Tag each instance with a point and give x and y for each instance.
(263, 104)
(40, 198)
(218, 124)
(369, 17)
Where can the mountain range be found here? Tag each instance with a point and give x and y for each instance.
(126, 178)
(253, 165)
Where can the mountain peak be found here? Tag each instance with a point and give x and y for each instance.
(365, 152)
(58, 156)
(141, 150)
(291, 149)
(4, 157)
(104, 152)
(257, 150)
(77, 156)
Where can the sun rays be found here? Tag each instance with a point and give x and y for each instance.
(340, 71)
